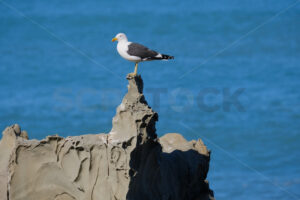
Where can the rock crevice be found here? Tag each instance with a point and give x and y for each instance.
(130, 162)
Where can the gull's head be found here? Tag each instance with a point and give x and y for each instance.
(119, 37)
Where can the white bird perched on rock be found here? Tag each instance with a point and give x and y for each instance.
(136, 52)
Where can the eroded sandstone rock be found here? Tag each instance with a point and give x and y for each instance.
(130, 162)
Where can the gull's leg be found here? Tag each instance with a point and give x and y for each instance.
(133, 74)
(135, 69)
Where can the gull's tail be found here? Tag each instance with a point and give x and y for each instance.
(159, 56)
(166, 57)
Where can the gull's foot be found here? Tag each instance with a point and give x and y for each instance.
(131, 75)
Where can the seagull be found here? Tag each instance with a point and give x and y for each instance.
(136, 52)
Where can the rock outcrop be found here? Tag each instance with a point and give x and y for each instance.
(130, 162)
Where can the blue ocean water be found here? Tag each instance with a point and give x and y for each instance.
(234, 81)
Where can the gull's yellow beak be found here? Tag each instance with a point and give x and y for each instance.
(114, 39)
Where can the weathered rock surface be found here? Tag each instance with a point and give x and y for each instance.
(130, 162)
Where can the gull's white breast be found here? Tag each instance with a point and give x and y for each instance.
(122, 48)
